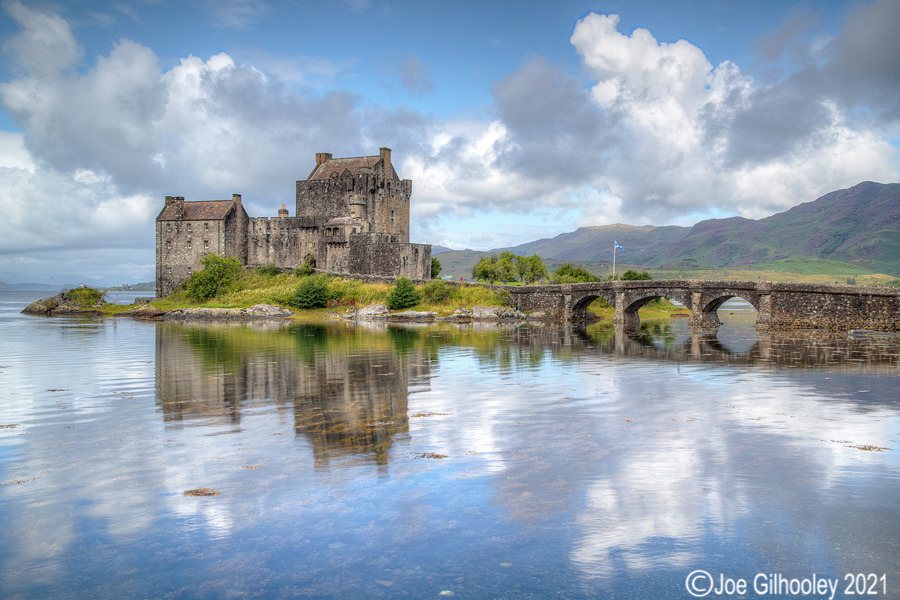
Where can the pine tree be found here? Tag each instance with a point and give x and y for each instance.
(403, 295)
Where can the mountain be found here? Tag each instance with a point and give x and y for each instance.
(440, 249)
(859, 225)
(29, 287)
(596, 243)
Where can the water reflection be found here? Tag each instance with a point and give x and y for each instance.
(404, 461)
(349, 393)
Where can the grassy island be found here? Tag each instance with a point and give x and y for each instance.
(341, 294)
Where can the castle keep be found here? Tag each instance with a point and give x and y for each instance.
(352, 216)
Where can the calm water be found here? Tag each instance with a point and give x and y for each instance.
(477, 461)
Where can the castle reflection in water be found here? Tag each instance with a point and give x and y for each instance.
(347, 387)
(348, 394)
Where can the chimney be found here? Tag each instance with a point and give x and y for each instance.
(178, 203)
(283, 212)
(385, 156)
(236, 198)
(322, 158)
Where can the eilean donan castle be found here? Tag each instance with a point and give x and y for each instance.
(352, 218)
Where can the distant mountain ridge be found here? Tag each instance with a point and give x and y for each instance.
(639, 243)
(859, 225)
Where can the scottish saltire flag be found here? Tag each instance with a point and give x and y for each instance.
(618, 247)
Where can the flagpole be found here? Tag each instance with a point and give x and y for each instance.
(615, 244)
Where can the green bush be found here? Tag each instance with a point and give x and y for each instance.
(435, 292)
(304, 269)
(567, 273)
(218, 275)
(435, 268)
(403, 295)
(269, 269)
(632, 275)
(85, 296)
(311, 292)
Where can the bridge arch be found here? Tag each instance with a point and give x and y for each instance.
(706, 316)
(628, 302)
(581, 302)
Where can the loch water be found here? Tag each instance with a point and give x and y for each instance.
(473, 461)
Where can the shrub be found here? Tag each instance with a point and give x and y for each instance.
(218, 275)
(632, 275)
(85, 296)
(568, 273)
(403, 295)
(435, 268)
(435, 292)
(304, 269)
(269, 269)
(311, 292)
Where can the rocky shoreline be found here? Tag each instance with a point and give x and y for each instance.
(61, 305)
(380, 312)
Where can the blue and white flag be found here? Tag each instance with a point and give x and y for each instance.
(618, 247)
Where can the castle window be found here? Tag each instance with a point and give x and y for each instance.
(189, 242)
(169, 245)
(392, 219)
(206, 226)
(205, 244)
(168, 228)
(189, 228)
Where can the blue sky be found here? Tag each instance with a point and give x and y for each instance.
(515, 120)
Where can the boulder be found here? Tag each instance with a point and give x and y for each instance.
(144, 312)
(412, 315)
(371, 312)
(487, 312)
(268, 311)
(42, 306)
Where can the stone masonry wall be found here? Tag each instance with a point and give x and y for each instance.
(780, 305)
(835, 307)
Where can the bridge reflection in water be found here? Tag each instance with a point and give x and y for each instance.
(346, 387)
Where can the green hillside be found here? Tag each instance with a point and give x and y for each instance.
(859, 225)
(596, 243)
(847, 233)
(806, 265)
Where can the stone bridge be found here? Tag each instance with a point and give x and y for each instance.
(779, 305)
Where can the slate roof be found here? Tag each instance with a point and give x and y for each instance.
(338, 165)
(198, 211)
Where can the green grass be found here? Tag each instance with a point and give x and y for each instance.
(807, 265)
(278, 290)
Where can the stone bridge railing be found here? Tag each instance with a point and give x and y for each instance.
(779, 305)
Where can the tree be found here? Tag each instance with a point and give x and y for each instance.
(218, 275)
(486, 269)
(506, 265)
(311, 292)
(632, 275)
(403, 295)
(567, 273)
(530, 268)
(435, 267)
